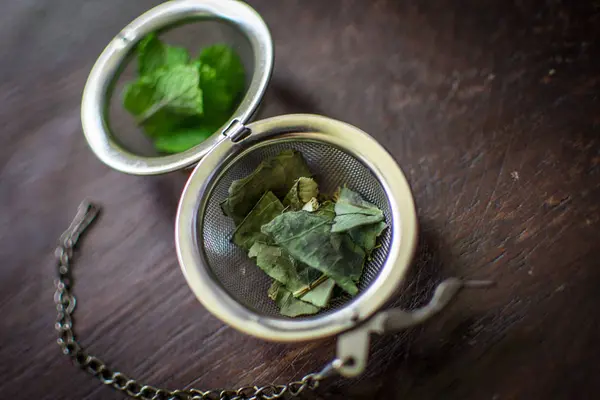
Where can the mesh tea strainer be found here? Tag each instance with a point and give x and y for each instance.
(230, 285)
(221, 275)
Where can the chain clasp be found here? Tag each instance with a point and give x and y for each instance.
(86, 213)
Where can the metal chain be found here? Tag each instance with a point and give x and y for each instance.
(65, 305)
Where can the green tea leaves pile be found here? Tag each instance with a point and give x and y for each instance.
(277, 174)
(307, 243)
(179, 101)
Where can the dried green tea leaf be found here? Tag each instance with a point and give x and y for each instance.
(274, 289)
(298, 278)
(288, 304)
(352, 210)
(344, 223)
(276, 174)
(249, 230)
(275, 262)
(336, 195)
(366, 236)
(312, 205)
(303, 190)
(307, 237)
(350, 202)
(321, 294)
(326, 209)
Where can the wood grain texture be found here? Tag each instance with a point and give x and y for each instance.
(491, 108)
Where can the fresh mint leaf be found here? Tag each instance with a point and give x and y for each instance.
(174, 133)
(169, 90)
(154, 55)
(249, 230)
(222, 78)
(218, 98)
(176, 89)
(163, 123)
(138, 95)
(182, 139)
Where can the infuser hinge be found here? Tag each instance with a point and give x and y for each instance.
(236, 131)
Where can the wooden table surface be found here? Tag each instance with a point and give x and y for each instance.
(492, 110)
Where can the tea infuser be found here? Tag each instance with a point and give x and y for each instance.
(224, 280)
(64, 298)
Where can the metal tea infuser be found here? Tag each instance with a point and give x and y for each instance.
(221, 275)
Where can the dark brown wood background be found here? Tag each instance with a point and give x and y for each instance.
(491, 108)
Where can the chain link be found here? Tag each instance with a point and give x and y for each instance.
(65, 306)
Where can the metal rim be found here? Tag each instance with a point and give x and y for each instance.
(297, 127)
(95, 95)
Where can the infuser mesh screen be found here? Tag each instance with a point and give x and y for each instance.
(231, 266)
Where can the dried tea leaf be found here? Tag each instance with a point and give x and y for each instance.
(273, 289)
(276, 174)
(303, 190)
(320, 295)
(366, 236)
(298, 278)
(288, 304)
(326, 209)
(352, 210)
(279, 265)
(350, 202)
(307, 237)
(344, 223)
(336, 195)
(312, 205)
(249, 231)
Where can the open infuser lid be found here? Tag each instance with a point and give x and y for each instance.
(251, 31)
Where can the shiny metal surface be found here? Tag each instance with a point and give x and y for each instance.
(215, 270)
(98, 89)
(354, 345)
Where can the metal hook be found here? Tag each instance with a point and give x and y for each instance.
(354, 345)
(86, 213)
